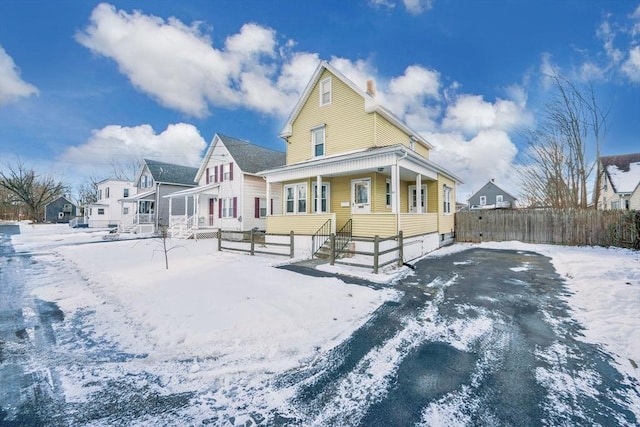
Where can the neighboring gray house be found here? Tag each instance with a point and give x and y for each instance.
(491, 197)
(230, 193)
(150, 209)
(60, 210)
(620, 184)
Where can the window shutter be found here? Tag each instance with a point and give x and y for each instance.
(221, 173)
(235, 207)
(219, 208)
(271, 208)
(215, 174)
(256, 210)
(211, 207)
(207, 178)
(231, 171)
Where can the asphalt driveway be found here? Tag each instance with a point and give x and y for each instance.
(481, 337)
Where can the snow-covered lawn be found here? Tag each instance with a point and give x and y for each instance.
(233, 307)
(237, 320)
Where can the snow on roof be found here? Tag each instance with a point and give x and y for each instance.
(623, 171)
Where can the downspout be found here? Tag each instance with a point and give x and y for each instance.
(157, 205)
(398, 224)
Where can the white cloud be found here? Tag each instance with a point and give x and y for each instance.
(631, 67)
(416, 7)
(489, 154)
(12, 87)
(178, 66)
(179, 143)
(471, 114)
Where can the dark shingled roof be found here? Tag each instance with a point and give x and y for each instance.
(621, 161)
(252, 158)
(170, 173)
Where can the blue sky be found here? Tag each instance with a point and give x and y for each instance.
(83, 83)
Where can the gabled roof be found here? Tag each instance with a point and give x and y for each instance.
(623, 171)
(58, 198)
(170, 173)
(250, 158)
(370, 103)
(488, 184)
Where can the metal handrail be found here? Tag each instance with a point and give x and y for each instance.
(343, 237)
(321, 236)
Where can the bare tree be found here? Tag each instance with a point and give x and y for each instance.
(33, 190)
(125, 170)
(558, 164)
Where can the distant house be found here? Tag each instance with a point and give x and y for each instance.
(61, 210)
(108, 210)
(620, 185)
(490, 196)
(148, 209)
(230, 195)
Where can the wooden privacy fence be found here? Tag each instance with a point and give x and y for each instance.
(551, 226)
(256, 242)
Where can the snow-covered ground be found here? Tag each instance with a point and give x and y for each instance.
(231, 321)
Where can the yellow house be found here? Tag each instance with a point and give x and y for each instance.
(351, 164)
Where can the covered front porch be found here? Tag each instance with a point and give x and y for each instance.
(192, 210)
(372, 192)
(138, 213)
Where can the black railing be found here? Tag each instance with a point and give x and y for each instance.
(343, 237)
(321, 236)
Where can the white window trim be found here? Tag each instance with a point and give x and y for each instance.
(227, 207)
(322, 83)
(412, 188)
(263, 200)
(499, 198)
(324, 140)
(324, 184)
(483, 200)
(446, 197)
(387, 194)
(295, 198)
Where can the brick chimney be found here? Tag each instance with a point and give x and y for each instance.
(371, 87)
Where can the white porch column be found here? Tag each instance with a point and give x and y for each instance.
(196, 210)
(170, 208)
(186, 209)
(395, 189)
(319, 194)
(269, 198)
(418, 193)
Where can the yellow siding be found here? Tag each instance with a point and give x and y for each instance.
(300, 224)
(416, 224)
(432, 196)
(404, 196)
(388, 134)
(341, 192)
(369, 225)
(446, 222)
(379, 194)
(348, 127)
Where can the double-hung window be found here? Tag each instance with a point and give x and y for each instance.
(295, 198)
(317, 140)
(483, 200)
(126, 192)
(325, 91)
(447, 199)
(227, 208)
(388, 192)
(324, 197)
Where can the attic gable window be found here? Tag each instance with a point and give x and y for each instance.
(325, 92)
(317, 141)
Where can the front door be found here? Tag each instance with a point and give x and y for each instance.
(413, 199)
(360, 196)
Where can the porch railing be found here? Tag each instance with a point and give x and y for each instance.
(343, 237)
(320, 237)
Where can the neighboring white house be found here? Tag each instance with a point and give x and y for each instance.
(620, 185)
(230, 195)
(108, 210)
